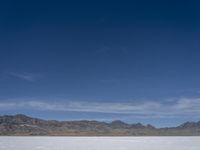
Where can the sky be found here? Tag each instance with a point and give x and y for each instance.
(135, 61)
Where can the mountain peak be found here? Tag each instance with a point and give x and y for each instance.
(24, 125)
(119, 124)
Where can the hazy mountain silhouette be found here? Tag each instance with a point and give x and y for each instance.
(25, 125)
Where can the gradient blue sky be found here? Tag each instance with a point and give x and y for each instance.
(135, 61)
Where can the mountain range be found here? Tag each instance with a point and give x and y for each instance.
(22, 125)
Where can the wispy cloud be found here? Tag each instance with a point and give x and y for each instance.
(180, 107)
(25, 76)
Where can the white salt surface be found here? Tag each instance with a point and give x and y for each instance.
(99, 143)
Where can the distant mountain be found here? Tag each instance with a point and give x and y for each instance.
(24, 125)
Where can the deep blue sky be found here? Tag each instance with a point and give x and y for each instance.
(101, 54)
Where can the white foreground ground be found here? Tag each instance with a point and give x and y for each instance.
(99, 143)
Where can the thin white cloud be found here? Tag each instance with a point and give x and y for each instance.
(180, 107)
(25, 76)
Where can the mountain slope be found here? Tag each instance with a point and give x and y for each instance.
(24, 125)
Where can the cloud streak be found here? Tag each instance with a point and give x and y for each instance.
(148, 109)
(25, 76)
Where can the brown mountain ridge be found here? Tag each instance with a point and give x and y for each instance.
(22, 125)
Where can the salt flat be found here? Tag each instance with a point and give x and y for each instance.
(99, 143)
